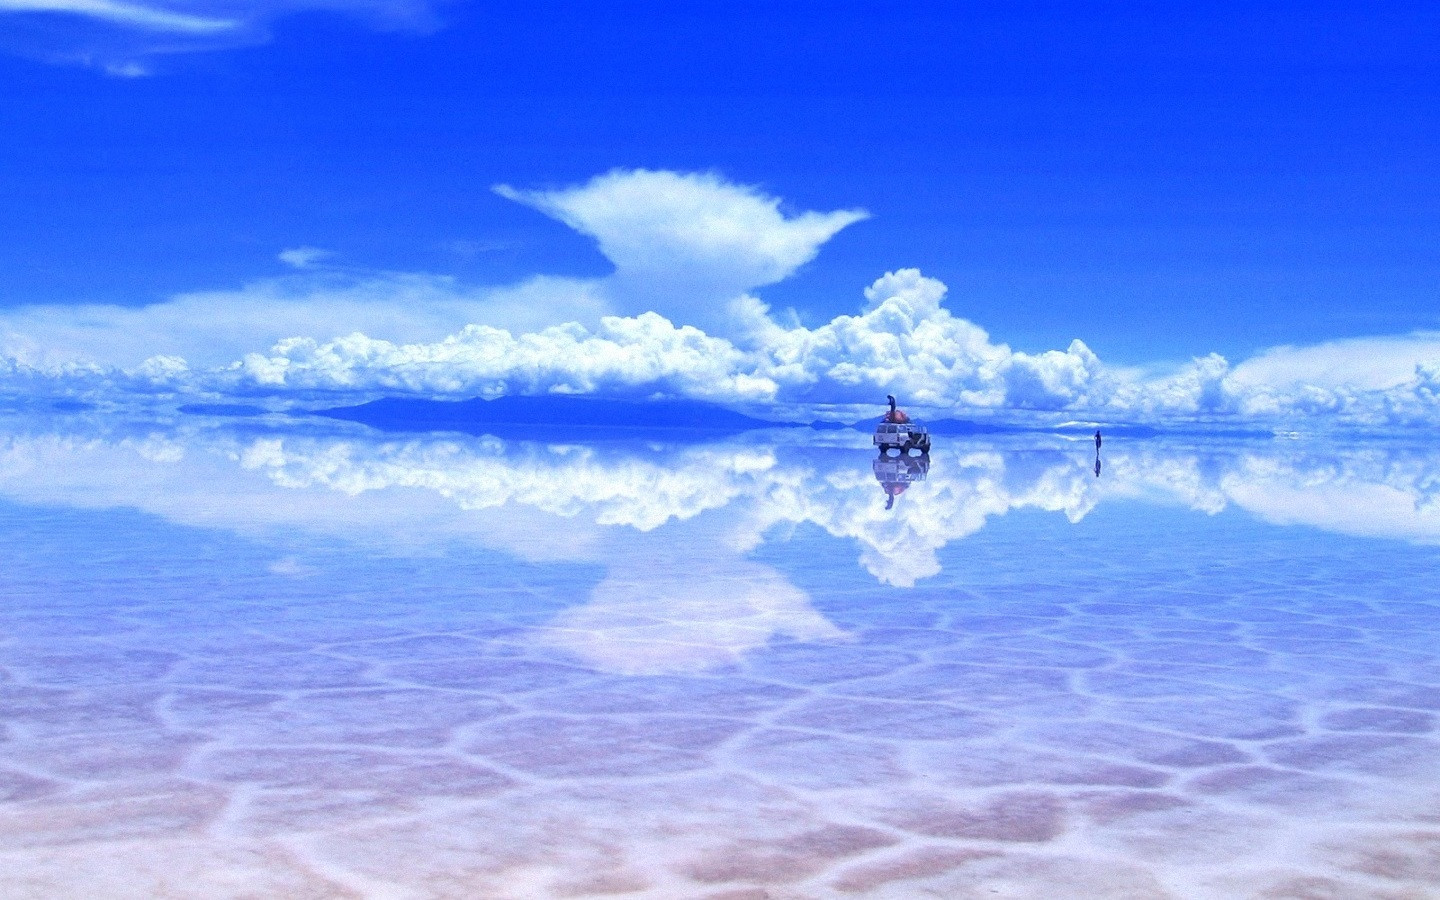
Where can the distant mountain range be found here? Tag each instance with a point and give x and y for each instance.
(964, 426)
(557, 416)
(550, 414)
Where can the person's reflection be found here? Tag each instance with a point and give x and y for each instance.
(896, 473)
(1097, 465)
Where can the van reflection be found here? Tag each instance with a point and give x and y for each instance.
(896, 473)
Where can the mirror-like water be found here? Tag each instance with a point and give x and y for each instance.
(260, 660)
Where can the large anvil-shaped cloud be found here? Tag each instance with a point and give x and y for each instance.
(689, 245)
(686, 245)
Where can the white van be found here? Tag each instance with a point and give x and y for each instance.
(902, 436)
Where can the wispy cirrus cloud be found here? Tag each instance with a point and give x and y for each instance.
(123, 37)
(130, 15)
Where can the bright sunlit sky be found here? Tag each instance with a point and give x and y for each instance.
(1161, 183)
(1158, 183)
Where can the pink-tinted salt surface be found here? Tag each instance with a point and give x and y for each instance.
(1149, 703)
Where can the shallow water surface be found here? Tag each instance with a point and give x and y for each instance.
(277, 659)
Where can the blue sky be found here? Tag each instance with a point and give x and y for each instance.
(1159, 184)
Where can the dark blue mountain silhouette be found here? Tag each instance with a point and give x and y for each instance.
(222, 409)
(1109, 429)
(966, 426)
(957, 426)
(552, 416)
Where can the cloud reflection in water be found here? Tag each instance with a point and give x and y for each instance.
(626, 508)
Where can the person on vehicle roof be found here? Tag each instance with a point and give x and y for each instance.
(895, 416)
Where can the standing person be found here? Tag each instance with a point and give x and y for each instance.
(1097, 441)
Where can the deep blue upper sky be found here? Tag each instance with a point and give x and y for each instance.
(1158, 183)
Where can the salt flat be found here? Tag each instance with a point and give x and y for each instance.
(293, 660)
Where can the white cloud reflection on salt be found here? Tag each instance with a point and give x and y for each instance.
(672, 527)
(668, 615)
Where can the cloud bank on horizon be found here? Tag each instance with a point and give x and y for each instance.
(678, 317)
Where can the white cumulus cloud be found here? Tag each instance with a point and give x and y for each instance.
(689, 244)
(678, 317)
(212, 328)
(639, 355)
(709, 242)
(303, 257)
